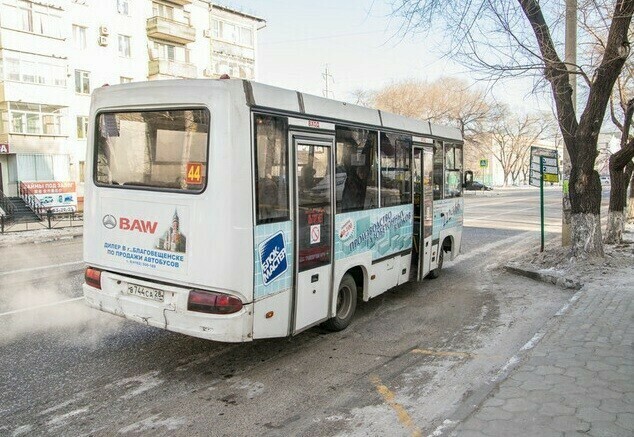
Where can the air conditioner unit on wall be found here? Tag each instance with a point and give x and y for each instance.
(208, 72)
(102, 40)
(104, 30)
(207, 33)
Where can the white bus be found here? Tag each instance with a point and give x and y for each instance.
(231, 210)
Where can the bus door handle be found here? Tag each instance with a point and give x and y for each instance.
(314, 278)
(442, 214)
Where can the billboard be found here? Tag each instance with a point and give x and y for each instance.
(58, 196)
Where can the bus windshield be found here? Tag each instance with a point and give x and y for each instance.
(158, 149)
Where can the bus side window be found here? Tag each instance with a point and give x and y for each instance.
(439, 167)
(271, 169)
(453, 170)
(396, 169)
(356, 169)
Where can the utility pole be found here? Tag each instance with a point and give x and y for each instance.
(571, 61)
(327, 77)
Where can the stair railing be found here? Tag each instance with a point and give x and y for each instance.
(7, 206)
(31, 199)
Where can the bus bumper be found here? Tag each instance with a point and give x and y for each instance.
(172, 314)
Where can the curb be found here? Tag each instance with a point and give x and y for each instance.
(42, 239)
(560, 281)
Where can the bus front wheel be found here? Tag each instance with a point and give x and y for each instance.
(346, 304)
(436, 272)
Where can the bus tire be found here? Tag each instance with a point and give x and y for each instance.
(346, 304)
(436, 272)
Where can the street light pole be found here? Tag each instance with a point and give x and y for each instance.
(571, 61)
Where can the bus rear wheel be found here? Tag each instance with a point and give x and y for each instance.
(346, 304)
(436, 272)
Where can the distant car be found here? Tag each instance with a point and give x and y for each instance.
(477, 186)
(605, 180)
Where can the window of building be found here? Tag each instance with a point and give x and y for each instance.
(171, 53)
(396, 173)
(162, 10)
(246, 36)
(216, 28)
(25, 67)
(36, 119)
(439, 170)
(82, 82)
(271, 169)
(82, 127)
(123, 79)
(42, 167)
(453, 170)
(123, 7)
(124, 46)
(79, 37)
(356, 169)
(32, 17)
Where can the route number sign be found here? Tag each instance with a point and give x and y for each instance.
(544, 163)
(194, 173)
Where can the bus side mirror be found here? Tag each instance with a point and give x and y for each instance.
(468, 178)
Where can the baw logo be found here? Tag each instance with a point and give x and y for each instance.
(145, 226)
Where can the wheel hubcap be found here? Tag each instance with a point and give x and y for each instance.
(343, 302)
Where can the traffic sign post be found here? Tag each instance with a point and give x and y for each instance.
(544, 166)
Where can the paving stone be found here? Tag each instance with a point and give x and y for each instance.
(608, 429)
(579, 372)
(510, 393)
(604, 393)
(553, 409)
(548, 370)
(591, 414)
(625, 420)
(488, 414)
(558, 379)
(614, 406)
(569, 423)
(544, 396)
(515, 405)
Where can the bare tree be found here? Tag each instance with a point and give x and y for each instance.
(446, 101)
(505, 39)
(510, 142)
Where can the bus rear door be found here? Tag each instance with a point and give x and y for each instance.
(423, 207)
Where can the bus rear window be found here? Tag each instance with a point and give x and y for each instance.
(164, 149)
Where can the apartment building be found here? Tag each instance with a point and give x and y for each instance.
(53, 53)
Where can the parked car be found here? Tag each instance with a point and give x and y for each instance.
(477, 186)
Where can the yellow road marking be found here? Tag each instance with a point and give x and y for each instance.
(401, 413)
(442, 353)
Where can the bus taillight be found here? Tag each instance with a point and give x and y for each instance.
(93, 277)
(213, 303)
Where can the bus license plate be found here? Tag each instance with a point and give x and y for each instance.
(147, 293)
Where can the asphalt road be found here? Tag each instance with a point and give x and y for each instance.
(413, 357)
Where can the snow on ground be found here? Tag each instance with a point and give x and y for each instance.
(39, 235)
(556, 260)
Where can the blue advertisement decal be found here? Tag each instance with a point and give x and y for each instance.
(273, 258)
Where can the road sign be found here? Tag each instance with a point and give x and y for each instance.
(484, 163)
(544, 166)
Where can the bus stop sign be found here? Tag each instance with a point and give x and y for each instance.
(546, 158)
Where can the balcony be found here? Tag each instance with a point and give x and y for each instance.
(170, 30)
(166, 68)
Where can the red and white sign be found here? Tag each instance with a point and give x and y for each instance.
(315, 234)
(4, 148)
(58, 196)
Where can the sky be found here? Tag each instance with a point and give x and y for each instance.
(361, 44)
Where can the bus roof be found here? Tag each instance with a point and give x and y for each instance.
(267, 96)
(259, 95)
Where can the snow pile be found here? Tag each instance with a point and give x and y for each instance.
(556, 261)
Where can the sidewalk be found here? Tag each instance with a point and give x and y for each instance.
(41, 235)
(579, 378)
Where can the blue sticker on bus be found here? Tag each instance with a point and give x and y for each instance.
(273, 258)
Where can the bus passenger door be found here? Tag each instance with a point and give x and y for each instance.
(427, 210)
(313, 229)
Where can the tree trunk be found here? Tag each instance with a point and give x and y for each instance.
(616, 211)
(630, 208)
(585, 200)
